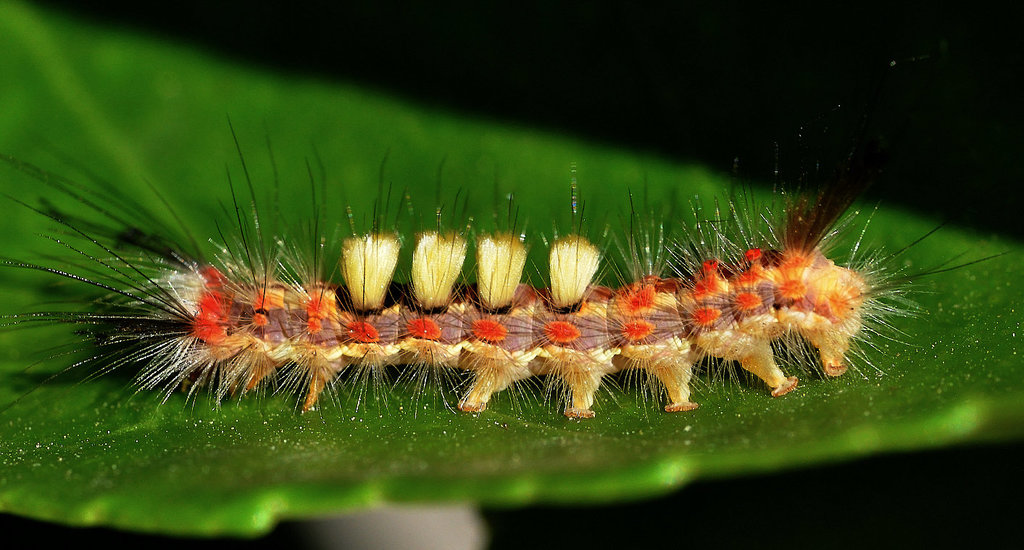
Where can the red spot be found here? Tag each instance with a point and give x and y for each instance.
(489, 330)
(317, 308)
(637, 330)
(706, 316)
(208, 323)
(561, 332)
(260, 302)
(362, 332)
(710, 283)
(792, 289)
(638, 298)
(424, 328)
(209, 332)
(211, 303)
(260, 319)
(751, 276)
(747, 301)
(753, 254)
(212, 276)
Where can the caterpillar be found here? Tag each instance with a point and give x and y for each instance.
(733, 290)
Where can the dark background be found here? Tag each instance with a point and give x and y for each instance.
(705, 82)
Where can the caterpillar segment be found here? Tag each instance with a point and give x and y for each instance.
(433, 327)
(501, 331)
(649, 335)
(575, 348)
(500, 346)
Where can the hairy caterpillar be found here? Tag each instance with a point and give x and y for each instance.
(257, 313)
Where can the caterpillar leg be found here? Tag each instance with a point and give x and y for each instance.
(490, 375)
(833, 368)
(316, 385)
(675, 372)
(832, 347)
(582, 385)
(245, 372)
(579, 374)
(754, 354)
(480, 393)
(318, 372)
(675, 375)
(761, 363)
(673, 368)
(258, 372)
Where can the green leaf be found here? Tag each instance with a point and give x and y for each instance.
(140, 112)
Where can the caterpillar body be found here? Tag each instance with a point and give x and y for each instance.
(244, 320)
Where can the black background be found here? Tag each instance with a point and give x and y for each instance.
(703, 81)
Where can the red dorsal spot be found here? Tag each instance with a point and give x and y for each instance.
(314, 325)
(316, 308)
(751, 276)
(424, 328)
(706, 316)
(792, 289)
(747, 301)
(212, 276)
(362, 332)
(260, 302)
(710, 283)
(637, 330)
(753, 254)
(489, 330)
(260, 319)
(707, 286)
(208, 322)
(639, 298)
(561, 332)
(208, 331)
(700, 289)
(211, 304)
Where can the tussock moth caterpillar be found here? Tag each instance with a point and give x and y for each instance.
(258, 314)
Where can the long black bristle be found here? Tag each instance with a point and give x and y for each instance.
(810, 216)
